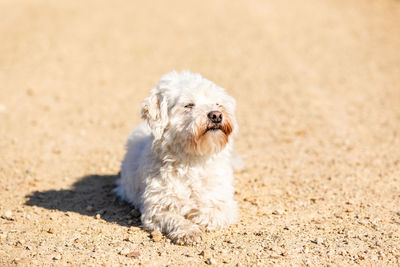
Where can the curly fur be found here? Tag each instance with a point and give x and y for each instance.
(177, 169)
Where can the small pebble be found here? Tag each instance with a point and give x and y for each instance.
(129, 238)
(19, 243)
(133, 229)
(211, 261)
(3, 235)
(57, 257)
(51, 231)
(206, 254)
(156, 236)
(7, 215)
(133, 254)
(124, 251)
(187, 254)
(274, 255)
(21, 262)
(318, 240)
(278, 212)
(98, 216)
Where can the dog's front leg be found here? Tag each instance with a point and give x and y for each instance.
(214, 216)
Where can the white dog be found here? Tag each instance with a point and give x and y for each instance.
(177, 170)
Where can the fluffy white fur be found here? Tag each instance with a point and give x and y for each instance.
(177, 170)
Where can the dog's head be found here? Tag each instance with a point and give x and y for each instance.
(188, 113)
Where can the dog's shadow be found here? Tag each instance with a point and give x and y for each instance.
(90, 195)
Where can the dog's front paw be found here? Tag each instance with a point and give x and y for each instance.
(190, 238)
(187, 236)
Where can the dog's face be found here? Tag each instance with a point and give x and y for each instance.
(190, 114)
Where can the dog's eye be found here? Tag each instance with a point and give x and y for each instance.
(190, 105)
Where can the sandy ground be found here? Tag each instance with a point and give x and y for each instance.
(318, 93)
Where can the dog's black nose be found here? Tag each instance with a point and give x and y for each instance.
(215, 116)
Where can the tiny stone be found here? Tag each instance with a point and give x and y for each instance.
(57, 257)
(278, 212)
(3, 235)
(274, 255)
(211, 261)
(129, 239)
(8, 215)
(21, 262)
(318, 240)
(51, 231)
(133, 254)
(133, 229)
(156, 235)
(124, 251)
(206, 254)
(98, 216)
(363, 222)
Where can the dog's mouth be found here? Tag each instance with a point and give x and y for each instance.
(213, 137)
(213, 128)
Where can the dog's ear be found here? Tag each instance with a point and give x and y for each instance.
(155, 112)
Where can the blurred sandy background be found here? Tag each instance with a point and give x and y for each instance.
(318, 90)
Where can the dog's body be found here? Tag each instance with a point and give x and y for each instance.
(177, 170)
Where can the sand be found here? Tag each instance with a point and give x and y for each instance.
(317, 85)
